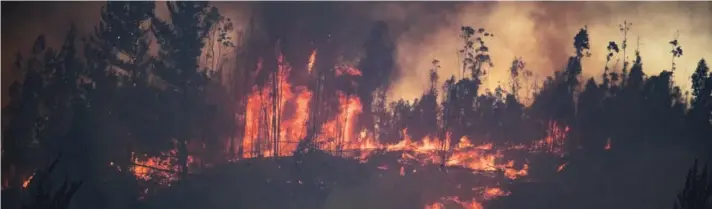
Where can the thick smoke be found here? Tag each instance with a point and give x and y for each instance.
(542, 33)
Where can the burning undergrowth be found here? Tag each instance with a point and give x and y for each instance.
(299, 121)
(303, 142)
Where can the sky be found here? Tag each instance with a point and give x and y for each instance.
(539, 32)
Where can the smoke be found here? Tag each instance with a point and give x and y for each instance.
(542, 33)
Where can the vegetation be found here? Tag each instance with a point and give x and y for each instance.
(115, 102)
(697, 192)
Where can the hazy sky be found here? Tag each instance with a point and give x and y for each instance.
(540, 32)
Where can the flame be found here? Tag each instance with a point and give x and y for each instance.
(339, 133)
(608, 144)
(259, 114)
(156, 167)
(561, 167)
(312, 60)
(492, 193)
(27, 181)
(347, 70)
(554, 141)
(455, 200)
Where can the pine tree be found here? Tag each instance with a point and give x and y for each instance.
(181, 43)
(697, 193)
(702, 90)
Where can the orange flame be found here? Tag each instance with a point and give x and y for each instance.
(492, 193)
(312, 60)
(561, 167)
(347, 70)
(27, 181)
(339, 133)
(455, 200)
(554, 140)
(156, 167)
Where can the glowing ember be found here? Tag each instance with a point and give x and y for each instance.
(347, 70)
(554, 140)
(162, 168)
(561, 167)
(27, 181)
(492, 193)
(455, 200)
(312, 60)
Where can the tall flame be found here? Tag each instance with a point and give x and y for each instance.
(312, 60)
(338, 134)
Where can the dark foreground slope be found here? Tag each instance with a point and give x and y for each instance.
(318, 180)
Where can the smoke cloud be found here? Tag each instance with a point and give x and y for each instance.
(542, 34)
(539, 32)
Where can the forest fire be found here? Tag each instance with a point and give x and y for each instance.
(209, 105)
(338, 135)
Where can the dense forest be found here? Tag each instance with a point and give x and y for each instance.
(107, 104)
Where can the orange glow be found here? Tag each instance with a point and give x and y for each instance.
(338, 134)
(561, 167)
(554, 141)
(27, 181)
(312, 60)
(491, 193)
(455, 200)
(347, 70)
(147, 168)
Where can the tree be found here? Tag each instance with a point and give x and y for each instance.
(122, 97)
(697, 193)
(515, 69)
(475, 57)
(376, 66)
(42, 105)
(702, 92)
(44, 199)
(589, 115)
(181, 43)
(425, 110)
(700, 114)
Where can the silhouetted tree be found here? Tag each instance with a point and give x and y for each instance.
(702, 92)
(42, 194)
(376, 67)
(697, 193)
(181, 43)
